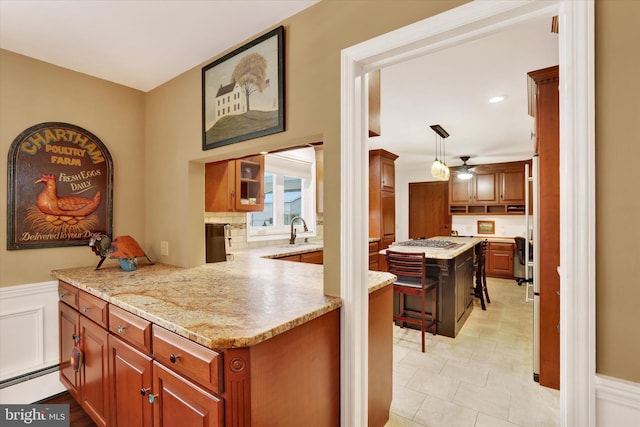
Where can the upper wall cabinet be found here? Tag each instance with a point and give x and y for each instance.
(235, 185)
(495, 189)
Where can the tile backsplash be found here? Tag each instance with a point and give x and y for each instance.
(238, 222)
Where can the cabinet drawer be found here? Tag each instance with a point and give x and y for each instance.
(93, 308)
(493, 246)
(193, 360)
(68, 294)
(131, 328)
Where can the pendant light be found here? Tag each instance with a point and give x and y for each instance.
(439, 168)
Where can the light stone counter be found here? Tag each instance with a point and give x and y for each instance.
(231, 304)
(463, 244)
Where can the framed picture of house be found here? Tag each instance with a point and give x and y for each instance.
(486, 227)
(243, 92)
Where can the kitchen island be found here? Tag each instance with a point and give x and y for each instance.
(253, 341)
(450, 261)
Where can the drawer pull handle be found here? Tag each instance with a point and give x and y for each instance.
(75, 338)
(121, 329)
(143, 391)
(174, 357)
(85, 308)
(62, 295)
(152, 398)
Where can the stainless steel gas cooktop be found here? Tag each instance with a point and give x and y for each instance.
(425, 243)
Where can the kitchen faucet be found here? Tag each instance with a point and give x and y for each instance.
(292, 239)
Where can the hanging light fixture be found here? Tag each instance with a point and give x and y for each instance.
(464, 172)
(439, 168)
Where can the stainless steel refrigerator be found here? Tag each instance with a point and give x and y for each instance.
(532, 236)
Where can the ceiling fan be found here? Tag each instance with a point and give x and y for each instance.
(465, 171)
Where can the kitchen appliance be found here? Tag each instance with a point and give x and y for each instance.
(533, 269)
(215, 236)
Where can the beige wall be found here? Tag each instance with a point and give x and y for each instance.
(617, 189)
(33, 92)
(313, 41)
(159, 185)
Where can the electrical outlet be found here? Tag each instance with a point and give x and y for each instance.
(164, 248)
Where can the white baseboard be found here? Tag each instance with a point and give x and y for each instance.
(617, 402)
(33, 390)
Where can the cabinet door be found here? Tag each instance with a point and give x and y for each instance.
(315, 257)
(464, 286)
(69, 329)
(179, 402)
(388, 175)
(130, 383)
(249, 185)
(486, 187)
(388, 208)
(512, 187)
(94, 378)
(460, 191)
(219, 186)
(500, 260)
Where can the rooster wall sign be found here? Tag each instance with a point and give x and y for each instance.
(60, 187)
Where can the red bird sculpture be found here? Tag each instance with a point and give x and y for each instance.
(49, 203)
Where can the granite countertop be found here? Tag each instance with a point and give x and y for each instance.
(462, 245)
(231, 304)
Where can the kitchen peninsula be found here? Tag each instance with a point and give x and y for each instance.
(450, 261)
(252, 341)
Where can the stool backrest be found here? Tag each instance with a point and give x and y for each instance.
(407, 265)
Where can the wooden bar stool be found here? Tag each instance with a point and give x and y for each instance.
(411, 272)
(481, 273)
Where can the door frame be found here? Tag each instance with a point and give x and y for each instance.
(577, 173)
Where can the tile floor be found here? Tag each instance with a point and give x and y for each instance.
(482, 378)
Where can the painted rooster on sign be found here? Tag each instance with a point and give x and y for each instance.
(73, 206)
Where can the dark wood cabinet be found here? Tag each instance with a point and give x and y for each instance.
(382, 197)
(235, 185)
(495, 189)
(500, 260)
(130, 383)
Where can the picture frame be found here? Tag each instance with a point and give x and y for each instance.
(486, 227)
(59, 188)
(243, 92)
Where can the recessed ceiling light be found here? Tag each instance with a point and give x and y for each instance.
(495, 99)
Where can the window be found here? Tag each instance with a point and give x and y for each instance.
(289, 191)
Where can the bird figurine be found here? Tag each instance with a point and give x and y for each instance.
(49, 203)
(124, 248)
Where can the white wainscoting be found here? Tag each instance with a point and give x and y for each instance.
(29, 340)
(617, 402)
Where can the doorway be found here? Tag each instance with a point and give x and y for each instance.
(577, 165)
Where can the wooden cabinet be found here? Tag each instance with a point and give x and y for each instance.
(499, 261)
(382, 197)
(429, 209)
(315, 257)
(94, 374)
(131, 381)
(88, 384)
(235, 185)
(545, 101)
(374, 248)
(136, 373)
(494, 189)
(177, 401)
(69, 333)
